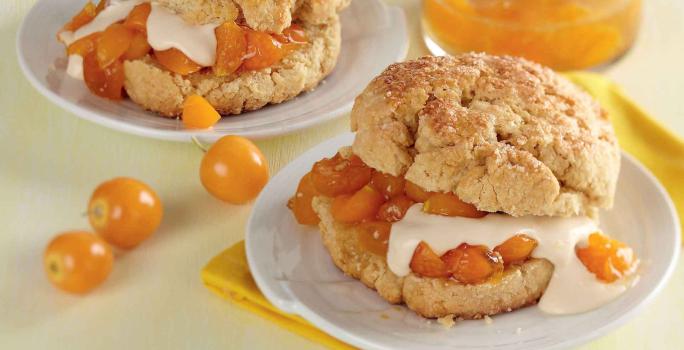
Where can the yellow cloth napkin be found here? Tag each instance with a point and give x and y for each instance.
(657, 148)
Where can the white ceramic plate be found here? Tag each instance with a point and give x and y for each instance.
(295, 272)
(373, 36)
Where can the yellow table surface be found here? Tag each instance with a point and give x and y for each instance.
(50, 161)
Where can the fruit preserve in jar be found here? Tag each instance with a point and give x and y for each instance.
(561, 34)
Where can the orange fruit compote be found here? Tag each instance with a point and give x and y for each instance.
(371, 201)
(238, 48)
(607, 258)
(561, 34)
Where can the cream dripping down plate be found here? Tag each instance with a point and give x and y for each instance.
(373, 36)
(296, 274)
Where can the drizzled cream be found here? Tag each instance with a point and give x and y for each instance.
(75, 67)
(165, 30)
(572, 289)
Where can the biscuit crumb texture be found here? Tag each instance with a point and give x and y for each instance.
(503, 133)
(447, 321)
(263, 15)
(161, 91)
(431, 297)
(488, 320)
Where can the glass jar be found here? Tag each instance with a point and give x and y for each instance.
(561, 34)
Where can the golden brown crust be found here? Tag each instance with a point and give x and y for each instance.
(262, 15)
(503, 133)
(161, 91)
(431, 297)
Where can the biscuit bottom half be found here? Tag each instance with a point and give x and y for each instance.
(163, 92)
(520, 285)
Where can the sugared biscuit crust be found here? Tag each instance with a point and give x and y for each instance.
(503, 133)
(262, 15)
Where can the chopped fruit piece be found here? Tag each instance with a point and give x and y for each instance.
(77, 261)
(176, 61)
(107, 82)
(608, 259)
(516, 249)
(234, 170)
(448, 204)
(427, 263)
(87, 14)
(295, 34)
(337, 175)
(292, 38)
(198, 113)
(472, 264)
(84, 45)
(416, 193)
(101, 6)
(137, 19)
(139, 47)
(390, 186)
(394, 209)
(124, 212)
(231, 47)
(362, 205)
(300, 204)
(113, 43)
(262, 50)
(374, 236)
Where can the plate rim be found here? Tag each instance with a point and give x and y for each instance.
(290, 304)
(394, 12)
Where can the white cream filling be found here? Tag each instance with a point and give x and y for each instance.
(165, 30)
(572, 289)
(75, 67)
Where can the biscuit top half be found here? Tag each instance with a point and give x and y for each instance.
(503, 133)
(262, 15)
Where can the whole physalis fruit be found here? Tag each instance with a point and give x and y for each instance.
(234, 170)
(77, 261)
(198, 113)
(124, 212)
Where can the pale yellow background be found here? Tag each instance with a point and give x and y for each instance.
(50, 161)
